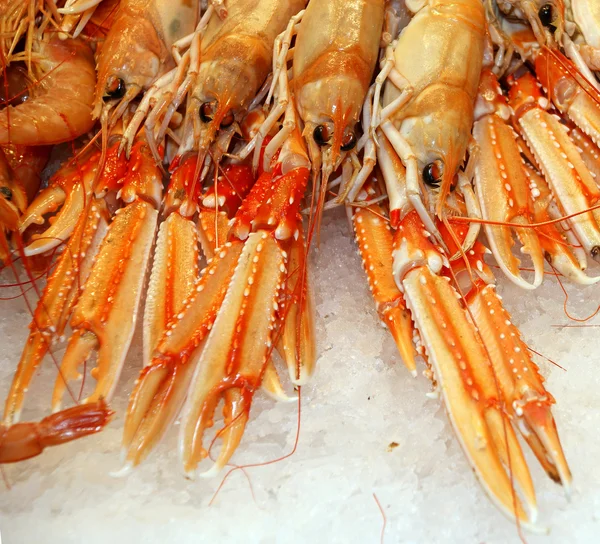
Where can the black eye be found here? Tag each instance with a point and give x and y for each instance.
(6, 193)
(321, 135)
(545, 15)
(115, 88)
(432, 173)
(207, 111)
(349, 142)
(228, 120)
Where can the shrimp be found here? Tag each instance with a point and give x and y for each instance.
(133, 68)
(25, 440)
(20, 166)
(60, 103)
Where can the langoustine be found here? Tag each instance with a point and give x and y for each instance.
(433, 264)
(190, 357)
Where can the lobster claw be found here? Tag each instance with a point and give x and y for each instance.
(560, 247)
(463, 372)
(181, 309)
(163, 384)
(227, 308)
(214, 226)
(375, 244)
(503, 191)
(515, 374)
(105, 315)
(219, 203)
(246, 321)
(274, 204)
(213, 230)
(70, 189)
(569, 91)
(519, 380)
(561, 163)
(296, 336)
(57, 301)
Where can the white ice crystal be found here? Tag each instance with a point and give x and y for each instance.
(360, 401)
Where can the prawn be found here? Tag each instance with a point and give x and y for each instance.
(60, 100)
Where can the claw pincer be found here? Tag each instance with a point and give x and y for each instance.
(25, 440)
(104, 317)
(559, 161)
(474, 353)
(219, 346)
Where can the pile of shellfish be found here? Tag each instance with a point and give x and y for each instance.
(199, 145)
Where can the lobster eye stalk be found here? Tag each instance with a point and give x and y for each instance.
(207, 111)
(321, 135)
(115, 88)
(228, 120)
(349, 142)
(546, 15)
(432, 173)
